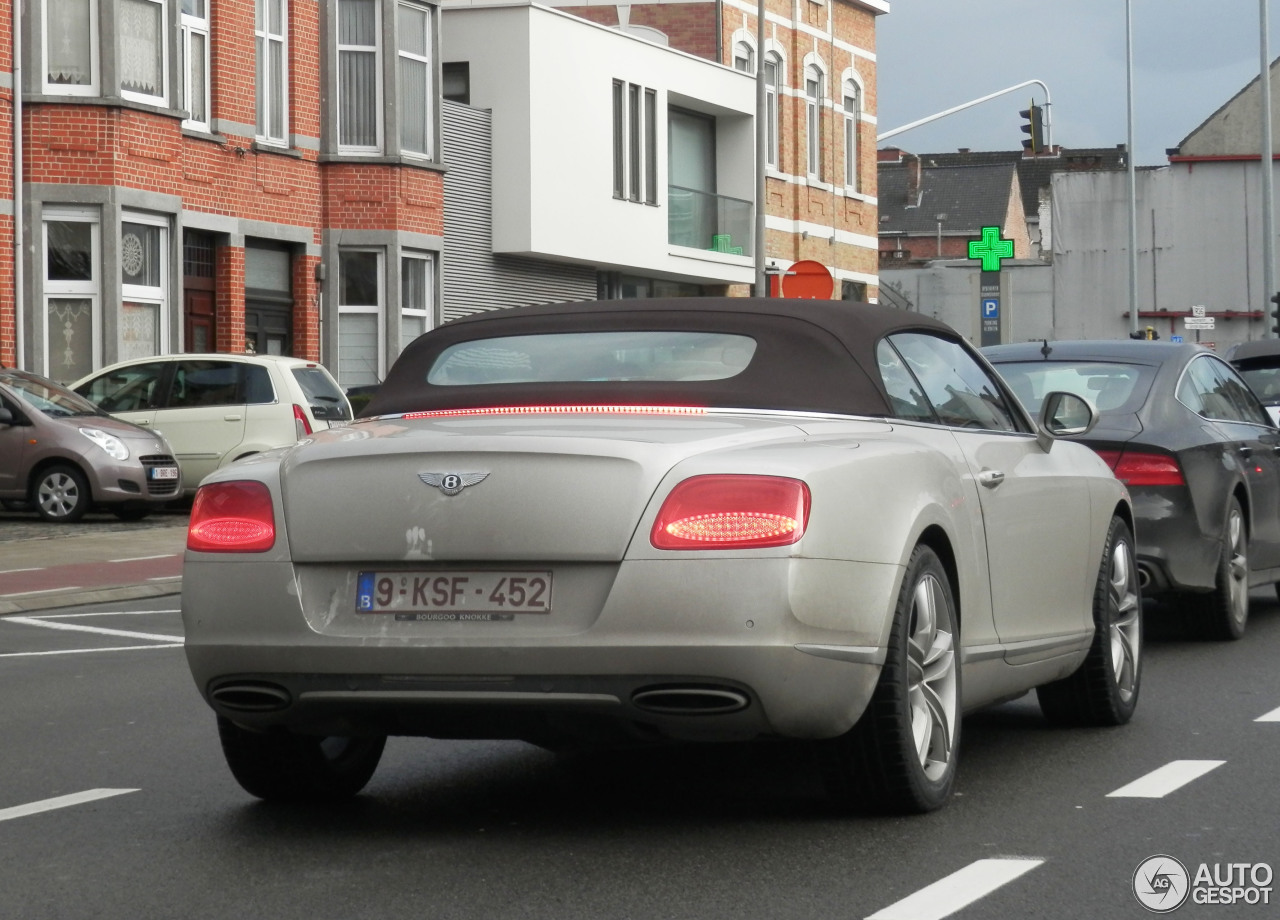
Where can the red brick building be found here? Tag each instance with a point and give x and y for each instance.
(256, 175)
(820, 72)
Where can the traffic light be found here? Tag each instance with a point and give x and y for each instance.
(1275, 313)
(1034, 144)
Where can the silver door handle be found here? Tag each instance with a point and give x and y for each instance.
(991, 478)
(231, 418)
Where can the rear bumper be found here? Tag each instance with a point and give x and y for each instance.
(756, 653)
(1174, 553)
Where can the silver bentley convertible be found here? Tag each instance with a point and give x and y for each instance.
(633, 522)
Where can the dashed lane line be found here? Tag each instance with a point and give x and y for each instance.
(1272, 716)
(1169, 778)
(62, 801)
(959, 889)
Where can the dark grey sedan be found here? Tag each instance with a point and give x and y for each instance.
(1198, 451)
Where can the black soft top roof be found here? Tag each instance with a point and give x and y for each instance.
(811, 356)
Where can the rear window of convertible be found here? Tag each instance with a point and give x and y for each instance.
(593, 356)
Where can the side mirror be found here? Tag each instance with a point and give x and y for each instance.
(6, 417)
(1063, 413)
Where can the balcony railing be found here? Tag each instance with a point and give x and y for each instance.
(701, 220)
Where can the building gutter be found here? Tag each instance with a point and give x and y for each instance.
(19, 332)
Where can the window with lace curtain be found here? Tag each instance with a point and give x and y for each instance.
(141, 27)
(70, 47)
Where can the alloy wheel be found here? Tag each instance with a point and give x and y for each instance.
(1126, 619)
(931, 688)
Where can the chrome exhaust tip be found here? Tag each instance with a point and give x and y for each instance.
(690, 700)
(251, 697)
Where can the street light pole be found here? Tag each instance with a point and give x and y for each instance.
(1133, 176)
(1266, 161)
(761, 280)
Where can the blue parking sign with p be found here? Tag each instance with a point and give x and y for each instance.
(991, 308)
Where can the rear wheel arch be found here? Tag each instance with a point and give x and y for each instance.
(937, 540)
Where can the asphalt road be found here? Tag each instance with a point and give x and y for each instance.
(489, 830)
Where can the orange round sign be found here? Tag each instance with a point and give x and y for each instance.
(808, 280)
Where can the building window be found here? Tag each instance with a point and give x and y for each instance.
(270, 32)
(456, 77)
(72, 325)
(360, 312)
(417, 295)
(359, 84)
(813, 119)
(852, 134)
(194, 68)
(413, 36)
(744, 57)
(772, 70)
(635, 144)
(144, 249)
(142, 26)
(71, 47)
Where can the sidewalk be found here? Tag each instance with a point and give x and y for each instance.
(45, 566)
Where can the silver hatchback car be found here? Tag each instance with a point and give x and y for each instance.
(62, 455)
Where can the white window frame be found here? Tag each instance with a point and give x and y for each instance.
(852, 92)
(744, 56)
(161, 99)
(377, 102)
(196, 25)
(157, 296)
(90, 290)
(772, 92)
(427, 311)
(401, 96)
(378, 310)
(93, 87)
(814, 78)
(263, 38)
(635, 143)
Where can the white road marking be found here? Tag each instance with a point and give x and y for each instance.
(42, 591)
(62, 801)
(16, 571)
(1272, 716)
(959, 889)
(101, 613)
(85, 651)
(1169, 778)
(32, 621)
(143, 558)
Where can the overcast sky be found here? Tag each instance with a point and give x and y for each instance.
(1190, 57)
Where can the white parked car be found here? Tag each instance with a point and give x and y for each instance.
(217, 408)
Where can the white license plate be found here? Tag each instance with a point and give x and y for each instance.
(454, 595)
(164, 472)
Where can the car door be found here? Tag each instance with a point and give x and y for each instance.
(1249, 441)
(14, 435)
(132, 393)
(1035, 504)
(203, 417)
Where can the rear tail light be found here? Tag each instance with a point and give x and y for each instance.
(1139, 469)
(300, 423)
(732, 512)
(232, 517)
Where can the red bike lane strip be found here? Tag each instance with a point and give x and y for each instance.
(89, 575)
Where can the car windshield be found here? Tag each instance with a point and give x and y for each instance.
(593, 356)
(1108, 386)
(50, 398)
(1263, 378)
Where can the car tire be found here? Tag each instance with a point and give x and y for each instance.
(281, 766)
(900, 757)
(60, 494)
(1223, 613)
(1104, 689)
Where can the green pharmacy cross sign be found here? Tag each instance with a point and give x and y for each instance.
(991, 249)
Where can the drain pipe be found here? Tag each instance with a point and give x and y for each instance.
(19, 332)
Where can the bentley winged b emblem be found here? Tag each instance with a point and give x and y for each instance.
(451, 483)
